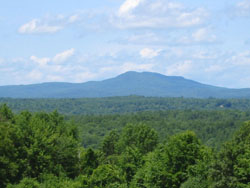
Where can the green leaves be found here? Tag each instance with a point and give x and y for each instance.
(127, 150)
(232, 168)
(140, 136)
(26, 183)
(5, 113)
(110, 144)
(168, 165)
(88, 162)
(42, 150)
(8, 153)
(107, 176)
(34, 144)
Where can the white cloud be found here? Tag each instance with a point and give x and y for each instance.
(128, 6)
(165, 6)
(214, 68)
(203, 55)
(48, 24)
(175, 52)
(202, 35)
(150, 37)
(35, 75)
(53, 64)
(36, 26)
(18, 59)
(157, 14)
(180, 69)
(240, 59)
(192, 18)
(63, 56)
(244, 4)
(127, 66)
(145, 39)
(242, 8)
(40, 61)
(149, 53)
(73, 18)
(136, 67)
(84, 76)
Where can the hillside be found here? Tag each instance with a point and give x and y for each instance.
(129, 83)
(121, 105)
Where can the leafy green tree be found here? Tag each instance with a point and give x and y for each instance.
(51, 181)
(199, 174)
(42, 150)
(109, 145)
(49, 147)
(232, 167)
(34, 144)
(130, 161)
(5, 113)
(88, 162)
(140, 136)
(107, 176)
(26, 183)
(168, 165)
(8, 153)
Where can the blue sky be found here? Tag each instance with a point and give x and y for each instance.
(77, 41)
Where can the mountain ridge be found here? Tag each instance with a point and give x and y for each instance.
(129, 83)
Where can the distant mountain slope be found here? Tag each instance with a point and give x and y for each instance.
(129, 83)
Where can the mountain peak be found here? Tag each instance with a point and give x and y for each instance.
(128, 83)
(148, 76)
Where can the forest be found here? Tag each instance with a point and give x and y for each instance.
(120, 105)
(177, 148)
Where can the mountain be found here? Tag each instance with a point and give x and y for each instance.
(129, 83)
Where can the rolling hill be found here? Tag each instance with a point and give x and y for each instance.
(129, 83)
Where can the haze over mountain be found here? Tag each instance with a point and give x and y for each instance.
(129, 83)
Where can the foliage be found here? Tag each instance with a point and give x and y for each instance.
(42, 150)
(88, 162)
(168, 165)
(140, 136)
(107, 176)
(51, 181)
(212, 127)
(232, 167)
(121, 105)
(26, 183)
(35, 144)
(199, 174)
(109, 144)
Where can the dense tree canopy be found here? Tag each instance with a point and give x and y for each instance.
(128, 104)
(40, 150)
(34, 144)
(212, 127)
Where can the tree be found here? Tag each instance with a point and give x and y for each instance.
(9, 166)
(88, 162)
(198, 174)
(168, 165)
(232, 167)
(34, 144)
(109, 145)
(5, 113)
(140, 136)
(130, 161)
(26, 183)
(107, 176)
